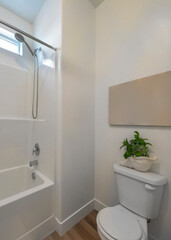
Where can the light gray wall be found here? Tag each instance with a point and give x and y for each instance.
(133, 40)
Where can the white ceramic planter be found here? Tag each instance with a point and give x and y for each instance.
(127, 162)
(143, 164)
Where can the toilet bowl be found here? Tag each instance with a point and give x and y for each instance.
(118, 223)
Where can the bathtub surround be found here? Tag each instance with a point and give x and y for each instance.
(14, 98)
(15, 82)
(132, 41)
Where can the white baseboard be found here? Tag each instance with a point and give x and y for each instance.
(67, 224)
(41, 231)
(98, 205)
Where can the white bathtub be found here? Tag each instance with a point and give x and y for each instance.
(26, 205)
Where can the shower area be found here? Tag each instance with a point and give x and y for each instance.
(27, 124)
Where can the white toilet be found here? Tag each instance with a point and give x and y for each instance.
(140, 197)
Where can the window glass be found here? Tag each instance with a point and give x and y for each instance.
(8, 42)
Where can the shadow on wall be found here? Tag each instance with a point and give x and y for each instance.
(156, 226)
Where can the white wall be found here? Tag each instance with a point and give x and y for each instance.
(77, 107)
(133, 40)
(47, 25)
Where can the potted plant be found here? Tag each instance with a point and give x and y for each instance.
(137, 153)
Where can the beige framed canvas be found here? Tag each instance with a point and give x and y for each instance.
(145, 101)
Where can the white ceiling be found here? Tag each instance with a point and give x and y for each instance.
(96, 3)
(27, 9)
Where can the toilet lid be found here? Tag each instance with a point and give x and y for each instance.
(119, 225)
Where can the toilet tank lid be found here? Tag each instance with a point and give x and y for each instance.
(146, 177)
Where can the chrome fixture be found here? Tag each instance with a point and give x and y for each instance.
(27, 35)
(35, 85)
(21, 39)
(33, 163)
(33, 175)
(36, 150)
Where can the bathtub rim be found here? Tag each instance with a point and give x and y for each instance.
(46, 183)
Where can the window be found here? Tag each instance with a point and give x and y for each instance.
(48, 63)
(8, 42)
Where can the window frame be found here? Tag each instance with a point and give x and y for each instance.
(11, 40)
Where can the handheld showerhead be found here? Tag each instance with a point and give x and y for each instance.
(21, 39)
(35, 101)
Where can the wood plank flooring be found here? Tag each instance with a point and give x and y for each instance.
(86, 229)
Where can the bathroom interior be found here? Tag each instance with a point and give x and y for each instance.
(68, 73)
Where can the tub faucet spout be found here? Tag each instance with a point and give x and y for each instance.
(33, 163)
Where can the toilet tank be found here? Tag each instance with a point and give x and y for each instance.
(140, 192)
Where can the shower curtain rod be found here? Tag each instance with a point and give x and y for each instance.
(27, 35)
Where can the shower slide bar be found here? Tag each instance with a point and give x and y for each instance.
(27, 35)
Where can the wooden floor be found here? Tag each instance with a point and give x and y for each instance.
(85, 230)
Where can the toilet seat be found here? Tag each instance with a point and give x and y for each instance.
(118, 223)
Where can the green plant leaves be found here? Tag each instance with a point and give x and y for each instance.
(136, 147)
(136, 134)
